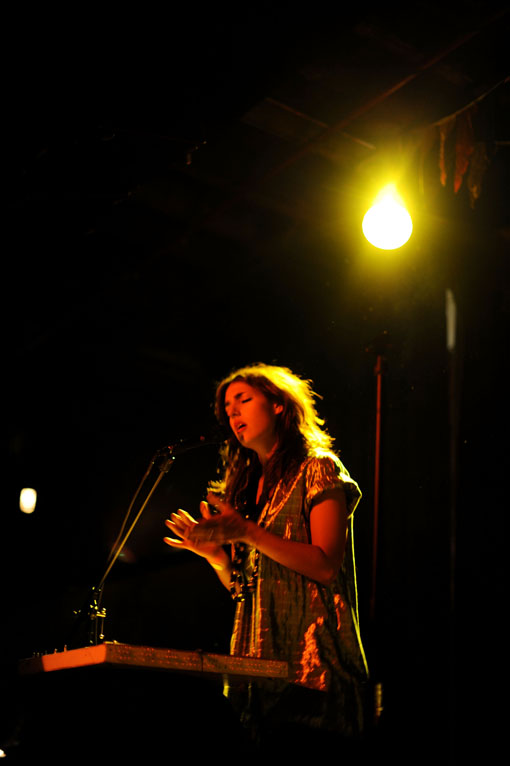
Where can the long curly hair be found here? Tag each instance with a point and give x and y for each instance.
(299, 429)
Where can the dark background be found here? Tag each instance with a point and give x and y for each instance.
(184, 194)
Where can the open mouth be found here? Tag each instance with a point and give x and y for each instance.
(240, 427)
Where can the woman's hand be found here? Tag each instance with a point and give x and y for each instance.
(205, 545)
(225, 526)
(182, 524)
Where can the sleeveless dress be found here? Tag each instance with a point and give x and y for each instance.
(313, 627)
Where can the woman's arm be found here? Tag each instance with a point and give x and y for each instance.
(322, 558)
(319, 560)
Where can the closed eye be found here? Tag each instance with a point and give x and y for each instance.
(228, 411)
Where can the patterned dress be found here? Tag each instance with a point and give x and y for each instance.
(311, 626)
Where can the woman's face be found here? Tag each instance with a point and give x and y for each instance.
(252, 417)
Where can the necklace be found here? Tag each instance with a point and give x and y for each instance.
(243, 579)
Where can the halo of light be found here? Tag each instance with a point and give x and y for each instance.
(27, 500)
(387, 225)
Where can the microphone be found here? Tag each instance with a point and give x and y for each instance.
(214, 436)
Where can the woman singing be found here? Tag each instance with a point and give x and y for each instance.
(285, 504)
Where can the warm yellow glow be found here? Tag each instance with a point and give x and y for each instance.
(387, 225)
(27, 500)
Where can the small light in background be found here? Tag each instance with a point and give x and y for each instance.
(27, 500)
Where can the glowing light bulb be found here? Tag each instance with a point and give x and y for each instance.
(387, 225)
(27, 500)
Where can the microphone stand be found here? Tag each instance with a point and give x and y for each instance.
(91, 608)
(378, 347)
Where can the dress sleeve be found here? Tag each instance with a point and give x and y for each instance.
(326, 473)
